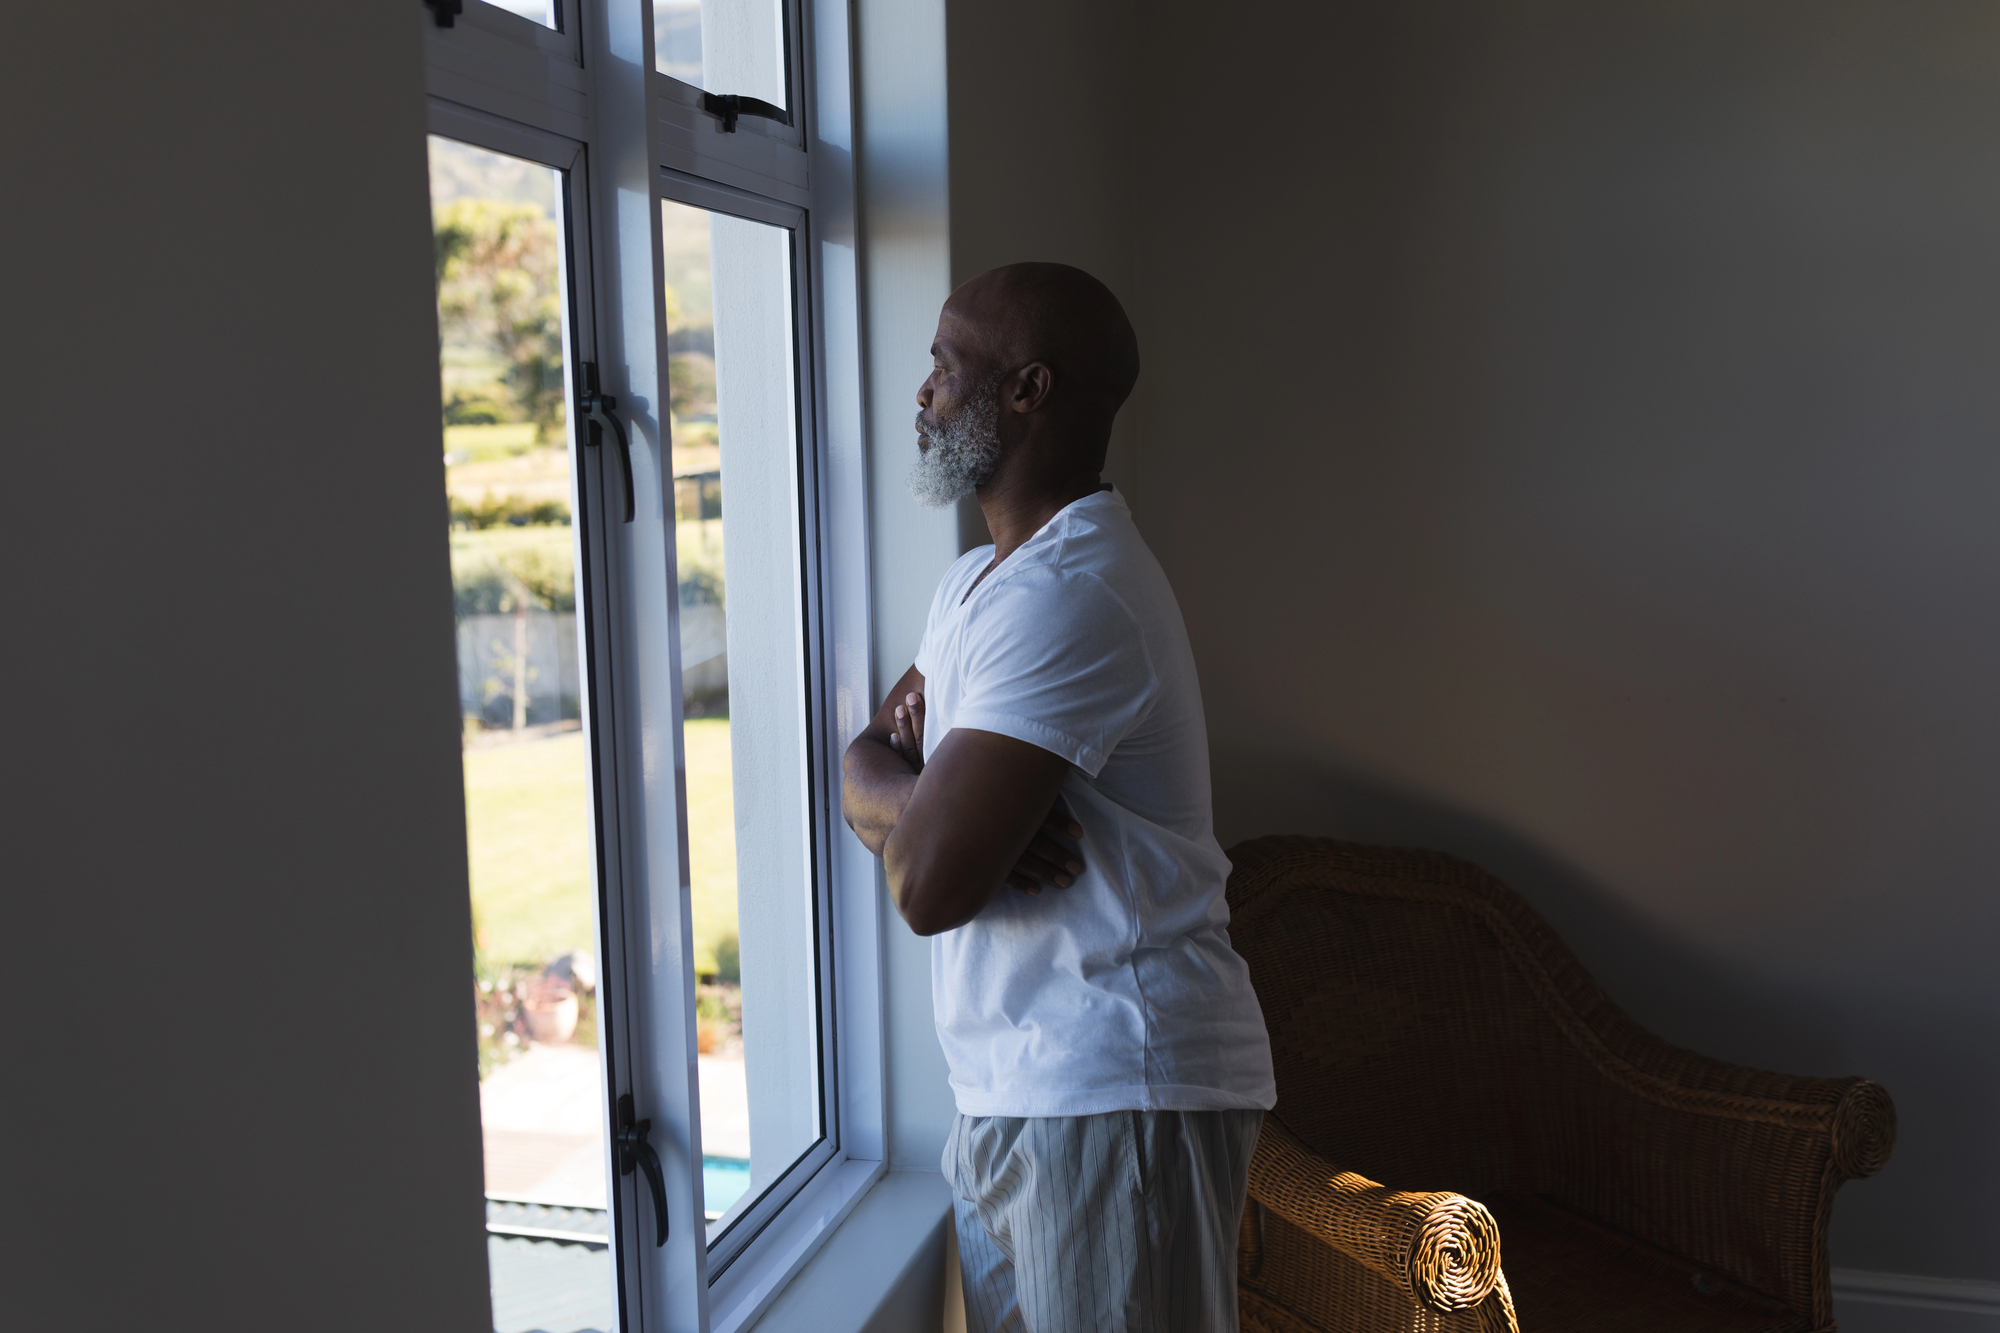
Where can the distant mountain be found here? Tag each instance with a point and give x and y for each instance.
(460, 171)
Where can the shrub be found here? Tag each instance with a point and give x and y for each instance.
(512, 511)
(475, 410)
(701, 585)
(497, 570)
(482, 590)
(728, 959)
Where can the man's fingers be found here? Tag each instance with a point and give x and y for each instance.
(1022, 884)
(1045, 871)
(909, 740)
(1061, 822)
(1056, 855)
(1048, 860)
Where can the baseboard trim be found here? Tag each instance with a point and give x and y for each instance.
(1964, 1295)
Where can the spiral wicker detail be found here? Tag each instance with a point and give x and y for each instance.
(1864, 1130)
(1443, 1249)
(1455, 1258)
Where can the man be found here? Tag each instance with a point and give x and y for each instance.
(1037, 787)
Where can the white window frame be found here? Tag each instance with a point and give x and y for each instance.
(587, 99)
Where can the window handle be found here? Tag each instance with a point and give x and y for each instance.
(635, 1153)
(729, 106)
(597, 407)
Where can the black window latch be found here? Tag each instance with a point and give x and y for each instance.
(635, 1153)
(445, 11)
(597, 406)
(729, 106)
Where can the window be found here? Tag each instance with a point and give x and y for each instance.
(735, 48)
(541, 11)
(654, 492)
(503, 269)
(731, 303)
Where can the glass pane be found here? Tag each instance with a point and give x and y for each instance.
(541, 11)
(736, 488)
(527, 784)
(723, 46)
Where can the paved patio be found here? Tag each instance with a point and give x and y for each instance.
(543, 1120)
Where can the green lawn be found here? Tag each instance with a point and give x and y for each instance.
(530, 847)
(711, 837)
(478, 444)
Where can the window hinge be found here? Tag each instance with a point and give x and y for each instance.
(729, 106)
(445, 11)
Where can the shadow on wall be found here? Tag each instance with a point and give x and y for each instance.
(1630, 956)
(1934, 1059)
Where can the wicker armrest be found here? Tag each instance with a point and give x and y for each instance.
(1442, 1249)
(1408, 964)
(1851, 1121)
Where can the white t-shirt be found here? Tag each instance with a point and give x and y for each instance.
(1120, 992)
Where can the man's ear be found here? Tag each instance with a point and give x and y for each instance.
(1033, 383)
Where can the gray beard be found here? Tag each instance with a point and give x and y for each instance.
(963, 453)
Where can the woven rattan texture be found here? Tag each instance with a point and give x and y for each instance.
(1431, 1032)
(1297, 1279)
(1442, 1250)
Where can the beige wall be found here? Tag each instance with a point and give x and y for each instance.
(1039, 96)
(1574, 433)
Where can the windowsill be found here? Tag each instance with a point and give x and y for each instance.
(880, 1268)
(739, 1298)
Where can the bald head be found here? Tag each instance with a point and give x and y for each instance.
(1061, 317)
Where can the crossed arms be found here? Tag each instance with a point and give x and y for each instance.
(982, 814)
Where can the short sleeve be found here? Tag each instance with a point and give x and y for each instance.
(1058, 661)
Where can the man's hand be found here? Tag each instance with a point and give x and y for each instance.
(908, 737)
(982, 803)
(1047, 861)
(976, 815)
(877, 774)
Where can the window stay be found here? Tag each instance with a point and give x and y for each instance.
(730, 106)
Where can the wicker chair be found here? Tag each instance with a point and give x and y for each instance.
(1430, 1030)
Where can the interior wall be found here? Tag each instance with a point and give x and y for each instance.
(235, 858)
(1042, 159)
(1569, 429)
(903, 173)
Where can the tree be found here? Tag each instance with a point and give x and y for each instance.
(691, 380)
(498, 289)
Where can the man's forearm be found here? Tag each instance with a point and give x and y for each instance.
(876, 785)
(968, 825)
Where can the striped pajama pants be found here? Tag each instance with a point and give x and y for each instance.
(1117, 1223)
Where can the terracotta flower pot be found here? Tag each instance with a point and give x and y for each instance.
(551, 1018)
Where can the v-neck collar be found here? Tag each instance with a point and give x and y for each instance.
(992, 571)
